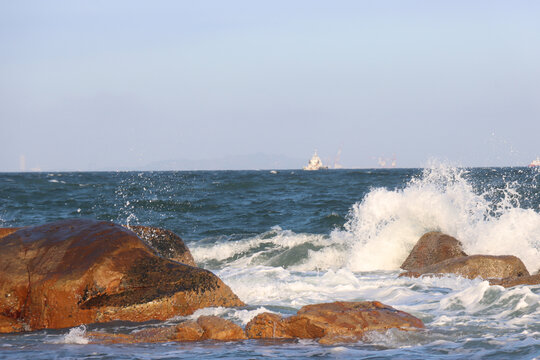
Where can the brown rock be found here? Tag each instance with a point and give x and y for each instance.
(515, 281)
(334, 322)
(206, 327)
(166, 243)
(433, 247)
(483, 266)
(8, 325)
(189, 331)
(216, 328)
(7, 231)
(267, 326)
(81, 271)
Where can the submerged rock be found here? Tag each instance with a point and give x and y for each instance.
(332, 323)
(7, 231)
(205, 328)
(471, 267)
(433, 247)
(515, 281)
(166, 243)
(74, 272)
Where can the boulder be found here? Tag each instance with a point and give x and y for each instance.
(166, 243)
(433, 247)
(216, 328)
(515, 281)
(471, 267)
(206, 327)
(74, 272)
(332, 323)
(267, 326)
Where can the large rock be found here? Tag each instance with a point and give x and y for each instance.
(332, 322)
(433, 247)
(206, 327)
(166, 243)
(80, 271)
(471, 267)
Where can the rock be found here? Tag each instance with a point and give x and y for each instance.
(7, 231)
(74, 272)
(189, 331)
(206, 327)
(8, 325)
(332, 322)
(515, 281)
(433, 247)
(483, 266)
(267, 326)
(166, 243)
(216, 328)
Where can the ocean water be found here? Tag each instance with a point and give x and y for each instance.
(283, 240)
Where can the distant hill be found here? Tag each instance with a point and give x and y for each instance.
(257, 161)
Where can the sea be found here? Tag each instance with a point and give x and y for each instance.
(287, 238)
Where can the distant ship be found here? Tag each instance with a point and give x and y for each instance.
(535, 163)
(315, 163)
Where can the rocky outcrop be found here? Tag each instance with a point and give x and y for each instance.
(523, 280)
(471, 267)
(82, 271)
(205, 328)
(166, 243)
(432, 248)
(332, 323)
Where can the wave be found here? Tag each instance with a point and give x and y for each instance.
(383, 227)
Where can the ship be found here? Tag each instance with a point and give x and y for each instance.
(315, 163)
(535, 163)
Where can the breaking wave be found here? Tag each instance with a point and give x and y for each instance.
(383, 227)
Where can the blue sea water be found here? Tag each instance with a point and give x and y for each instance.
(283, 240)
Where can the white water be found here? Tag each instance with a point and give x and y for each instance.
(385, 225)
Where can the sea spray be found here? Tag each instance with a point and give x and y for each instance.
(383, 227)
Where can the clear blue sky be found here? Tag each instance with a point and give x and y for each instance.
(122, 84)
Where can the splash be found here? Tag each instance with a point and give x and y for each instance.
(385, 225)
(76, 335)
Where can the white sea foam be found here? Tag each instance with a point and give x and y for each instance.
(384, 226)
(76, 335)
(239, 316)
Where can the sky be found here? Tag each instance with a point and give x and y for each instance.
(105, 85)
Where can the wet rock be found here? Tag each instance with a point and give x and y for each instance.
(7, 231)
(216, 328)
(333, 322)
(471, 267)
(267, 326)
(515, 281)
(188, 331)
(205, 328)
(74, 272)
(8, 325)
(166, 243)
(433, 247)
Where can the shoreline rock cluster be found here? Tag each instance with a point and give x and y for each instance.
(73, 272)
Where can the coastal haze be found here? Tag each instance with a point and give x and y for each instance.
(261, 85)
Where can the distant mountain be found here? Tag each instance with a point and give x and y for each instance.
(257, 161)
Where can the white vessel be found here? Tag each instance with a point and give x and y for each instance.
(315, 163)
(535, 163)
